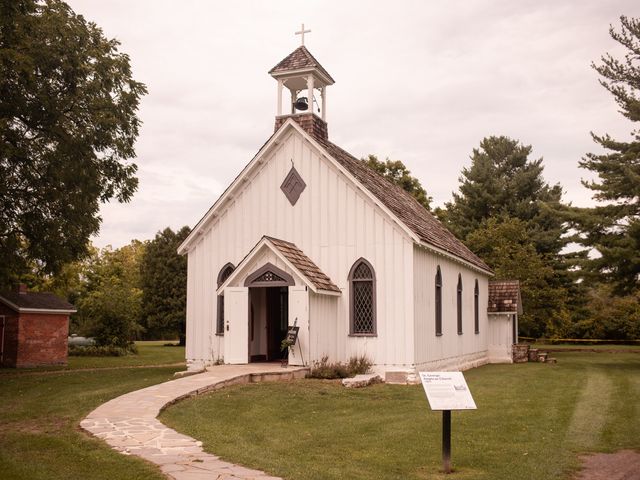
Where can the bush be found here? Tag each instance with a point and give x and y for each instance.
(102, 351)
(330, 370)
(359, 365)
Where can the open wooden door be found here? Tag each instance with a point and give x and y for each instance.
(299, 309)
(236, 328)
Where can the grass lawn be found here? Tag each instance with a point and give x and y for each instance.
(41, 410)
(150, 353)
(586, 346)
(531, 422)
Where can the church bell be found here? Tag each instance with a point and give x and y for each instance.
(301, 104)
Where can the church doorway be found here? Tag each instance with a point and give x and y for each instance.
(268, 322)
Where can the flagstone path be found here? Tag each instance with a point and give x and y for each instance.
(128, 423)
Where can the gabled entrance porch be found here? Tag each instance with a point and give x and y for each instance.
(268, 292)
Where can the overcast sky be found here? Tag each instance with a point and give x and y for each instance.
(418, 81)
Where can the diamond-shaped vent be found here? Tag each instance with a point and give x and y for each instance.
(293, 186)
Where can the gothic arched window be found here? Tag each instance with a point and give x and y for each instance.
(476, 309)
(225, 272)
(459, 304)
(438, 301)
(362, 298)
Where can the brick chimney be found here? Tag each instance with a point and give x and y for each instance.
(310, 123)
(21, 288)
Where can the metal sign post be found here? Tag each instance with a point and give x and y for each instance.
(446, 440)
(447, 391)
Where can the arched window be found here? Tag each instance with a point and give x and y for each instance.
(362, 298)
(438, 302)
(459, 304)
(225, 272)
(476, 310)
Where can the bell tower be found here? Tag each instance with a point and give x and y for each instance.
(306, 80)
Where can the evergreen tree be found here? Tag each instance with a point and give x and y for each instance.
(612, 228)
(502, 181)
(164, 285)
(398, 173)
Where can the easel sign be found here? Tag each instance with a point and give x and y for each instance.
(447, 391)
(292, 335)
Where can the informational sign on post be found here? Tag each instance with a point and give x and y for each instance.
(447, 391)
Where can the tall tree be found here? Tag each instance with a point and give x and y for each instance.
(68, 125)
(612, 228)
(505, 245)
(164, 285)
(503, 181)
(398, 173)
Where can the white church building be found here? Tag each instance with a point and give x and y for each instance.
(308, 235)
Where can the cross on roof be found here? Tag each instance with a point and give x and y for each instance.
(302, 32)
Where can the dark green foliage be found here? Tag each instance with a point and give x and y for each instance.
(610, 316)
(164, 285)
(612, 228)
(502, 181)
(102, 351)
(67, 130)
(110, 306)
(397, 172)
(505, 245)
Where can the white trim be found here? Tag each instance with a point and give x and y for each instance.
(265, 241)
(258, 159)
(453, 257)
(300, 72)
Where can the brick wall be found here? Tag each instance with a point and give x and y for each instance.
(310, 123)
(42, 339)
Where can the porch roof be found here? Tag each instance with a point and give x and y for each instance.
(504, 297)
(296, 260)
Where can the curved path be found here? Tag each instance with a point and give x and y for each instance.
(128, 423)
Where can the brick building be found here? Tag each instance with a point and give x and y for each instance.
(33, 328)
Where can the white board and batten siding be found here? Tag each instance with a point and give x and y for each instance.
(449, 351)
(334, 223)
(501, 338)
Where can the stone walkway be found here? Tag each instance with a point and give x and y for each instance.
(128, 423)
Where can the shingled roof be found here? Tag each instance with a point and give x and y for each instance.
(504, 297)
(404, 206)
(304, 264)
(299, 59)
(35, 301)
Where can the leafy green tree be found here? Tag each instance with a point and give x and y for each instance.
(164, 285)
(505, 245)
(112, 301)
(398, 173)
(611, 317)
(612, 228)
(67, 131)
(502, 181)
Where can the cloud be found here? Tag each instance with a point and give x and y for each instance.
(418, 81)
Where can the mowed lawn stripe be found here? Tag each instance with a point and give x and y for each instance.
(591, 411)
